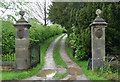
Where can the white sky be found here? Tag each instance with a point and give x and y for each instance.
(24, 7)
(42, 1)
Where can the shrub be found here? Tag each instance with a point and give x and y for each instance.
(8, 37)
(37, 33)
(80, 42)
(107, 71)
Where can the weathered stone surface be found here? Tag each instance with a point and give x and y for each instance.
(75, 72)
(49, 65)
(98, 47)
(22, 43)
(21, 52)
(98, 42)
(61, 70)
(99, 33)
(20, 33)
(44, 73)
(21, 64)
(48, 59)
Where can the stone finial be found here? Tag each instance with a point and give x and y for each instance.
(22, 14)
(98, 12)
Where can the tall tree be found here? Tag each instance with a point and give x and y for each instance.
(78, 16)
(40, 10)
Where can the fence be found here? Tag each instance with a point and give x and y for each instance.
(34, 55)
(8, 60)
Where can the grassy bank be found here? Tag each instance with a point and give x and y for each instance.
(83, 64)
(12, 75)
(58, 60)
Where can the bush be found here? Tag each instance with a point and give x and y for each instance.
(107, 71)
(40, 34)
(80, 42)
(112, 41)
(8, 37)
(37, 33)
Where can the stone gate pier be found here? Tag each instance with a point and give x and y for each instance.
(22, 43)
(98, 40)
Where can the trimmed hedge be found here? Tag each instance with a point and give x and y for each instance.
(8, 37)
(38, 34)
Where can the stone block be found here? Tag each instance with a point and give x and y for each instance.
(21, 64)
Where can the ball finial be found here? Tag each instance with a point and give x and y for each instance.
(22, 13)
(98, 12)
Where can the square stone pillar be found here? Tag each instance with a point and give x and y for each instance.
(98, 41)
(22, 43)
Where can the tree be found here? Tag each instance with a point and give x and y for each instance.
(77, 17)
(40, 10)
(13, 8)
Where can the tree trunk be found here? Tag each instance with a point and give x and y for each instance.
(45, 13)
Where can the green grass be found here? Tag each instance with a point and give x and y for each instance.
(56, 55)
(10, 75)
(58, 76)
(83, 64)
(58, 60)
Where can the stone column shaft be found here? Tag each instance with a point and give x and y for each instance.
(98, 41)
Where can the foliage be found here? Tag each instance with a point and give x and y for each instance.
(111, 14)
(80, 16)
(12, 7)
(8, 38)
(102, 73)
(107, 71)
(10, 75)
(41, 33)
(90, 75)
(8, 57)
(78, 19)
(64, 30)
(38, 34)
(34, 54)
(80, 36)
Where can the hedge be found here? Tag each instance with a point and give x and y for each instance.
(38, 34)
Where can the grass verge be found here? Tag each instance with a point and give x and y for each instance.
(58, 60)
(13, 75)
(83, 64)
(56, 55)
(58, 76)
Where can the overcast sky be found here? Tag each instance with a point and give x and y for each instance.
(42, 1)
(10, 12)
